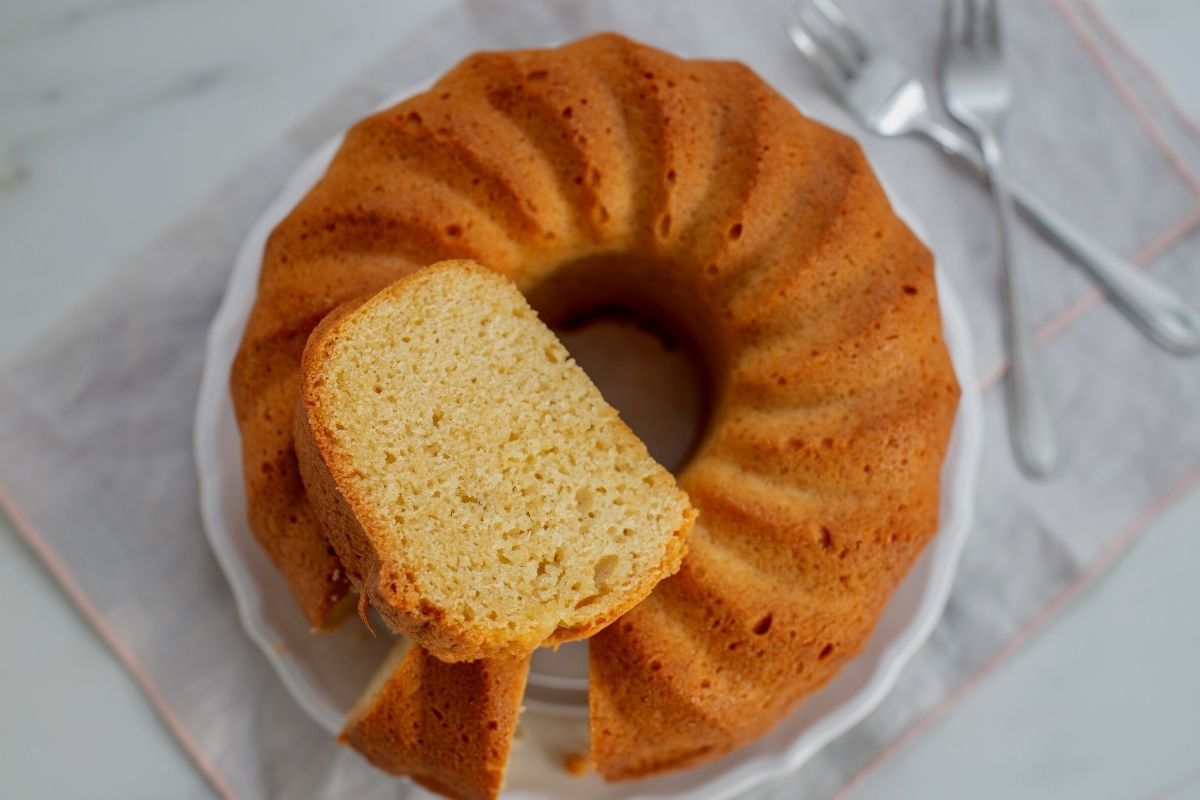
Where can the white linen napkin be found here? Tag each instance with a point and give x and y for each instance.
(96, 417)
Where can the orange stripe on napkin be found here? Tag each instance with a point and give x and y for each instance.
(1098, 567)
(25, 528)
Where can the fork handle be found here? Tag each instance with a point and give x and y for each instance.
(1157, 310)
(1032, 431)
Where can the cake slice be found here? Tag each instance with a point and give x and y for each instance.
(480, 492)
(447, 726)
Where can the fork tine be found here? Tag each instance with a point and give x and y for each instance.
(838, 22)
(816, 54)
(949, 40)
(970, 25)
(822, 34)
(992, 23)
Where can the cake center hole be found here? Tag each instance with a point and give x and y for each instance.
(648, 376)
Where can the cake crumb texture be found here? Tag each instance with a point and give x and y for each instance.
(498, 502)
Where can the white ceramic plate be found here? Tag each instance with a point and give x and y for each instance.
(326, 673)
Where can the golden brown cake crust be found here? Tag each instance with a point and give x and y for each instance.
(265, 391)
(605, 169)
(448, 726)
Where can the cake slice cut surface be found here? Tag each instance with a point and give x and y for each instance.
(479, 490)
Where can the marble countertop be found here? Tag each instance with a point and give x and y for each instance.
(118, 116)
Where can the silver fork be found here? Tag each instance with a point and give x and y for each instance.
(887, 99)
(976, 91)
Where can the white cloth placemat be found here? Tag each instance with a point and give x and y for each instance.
(95, 419)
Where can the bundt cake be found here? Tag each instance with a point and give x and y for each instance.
(448, 726)
(479, 491)
(689, 192)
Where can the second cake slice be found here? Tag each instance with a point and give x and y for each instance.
(481, 493)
